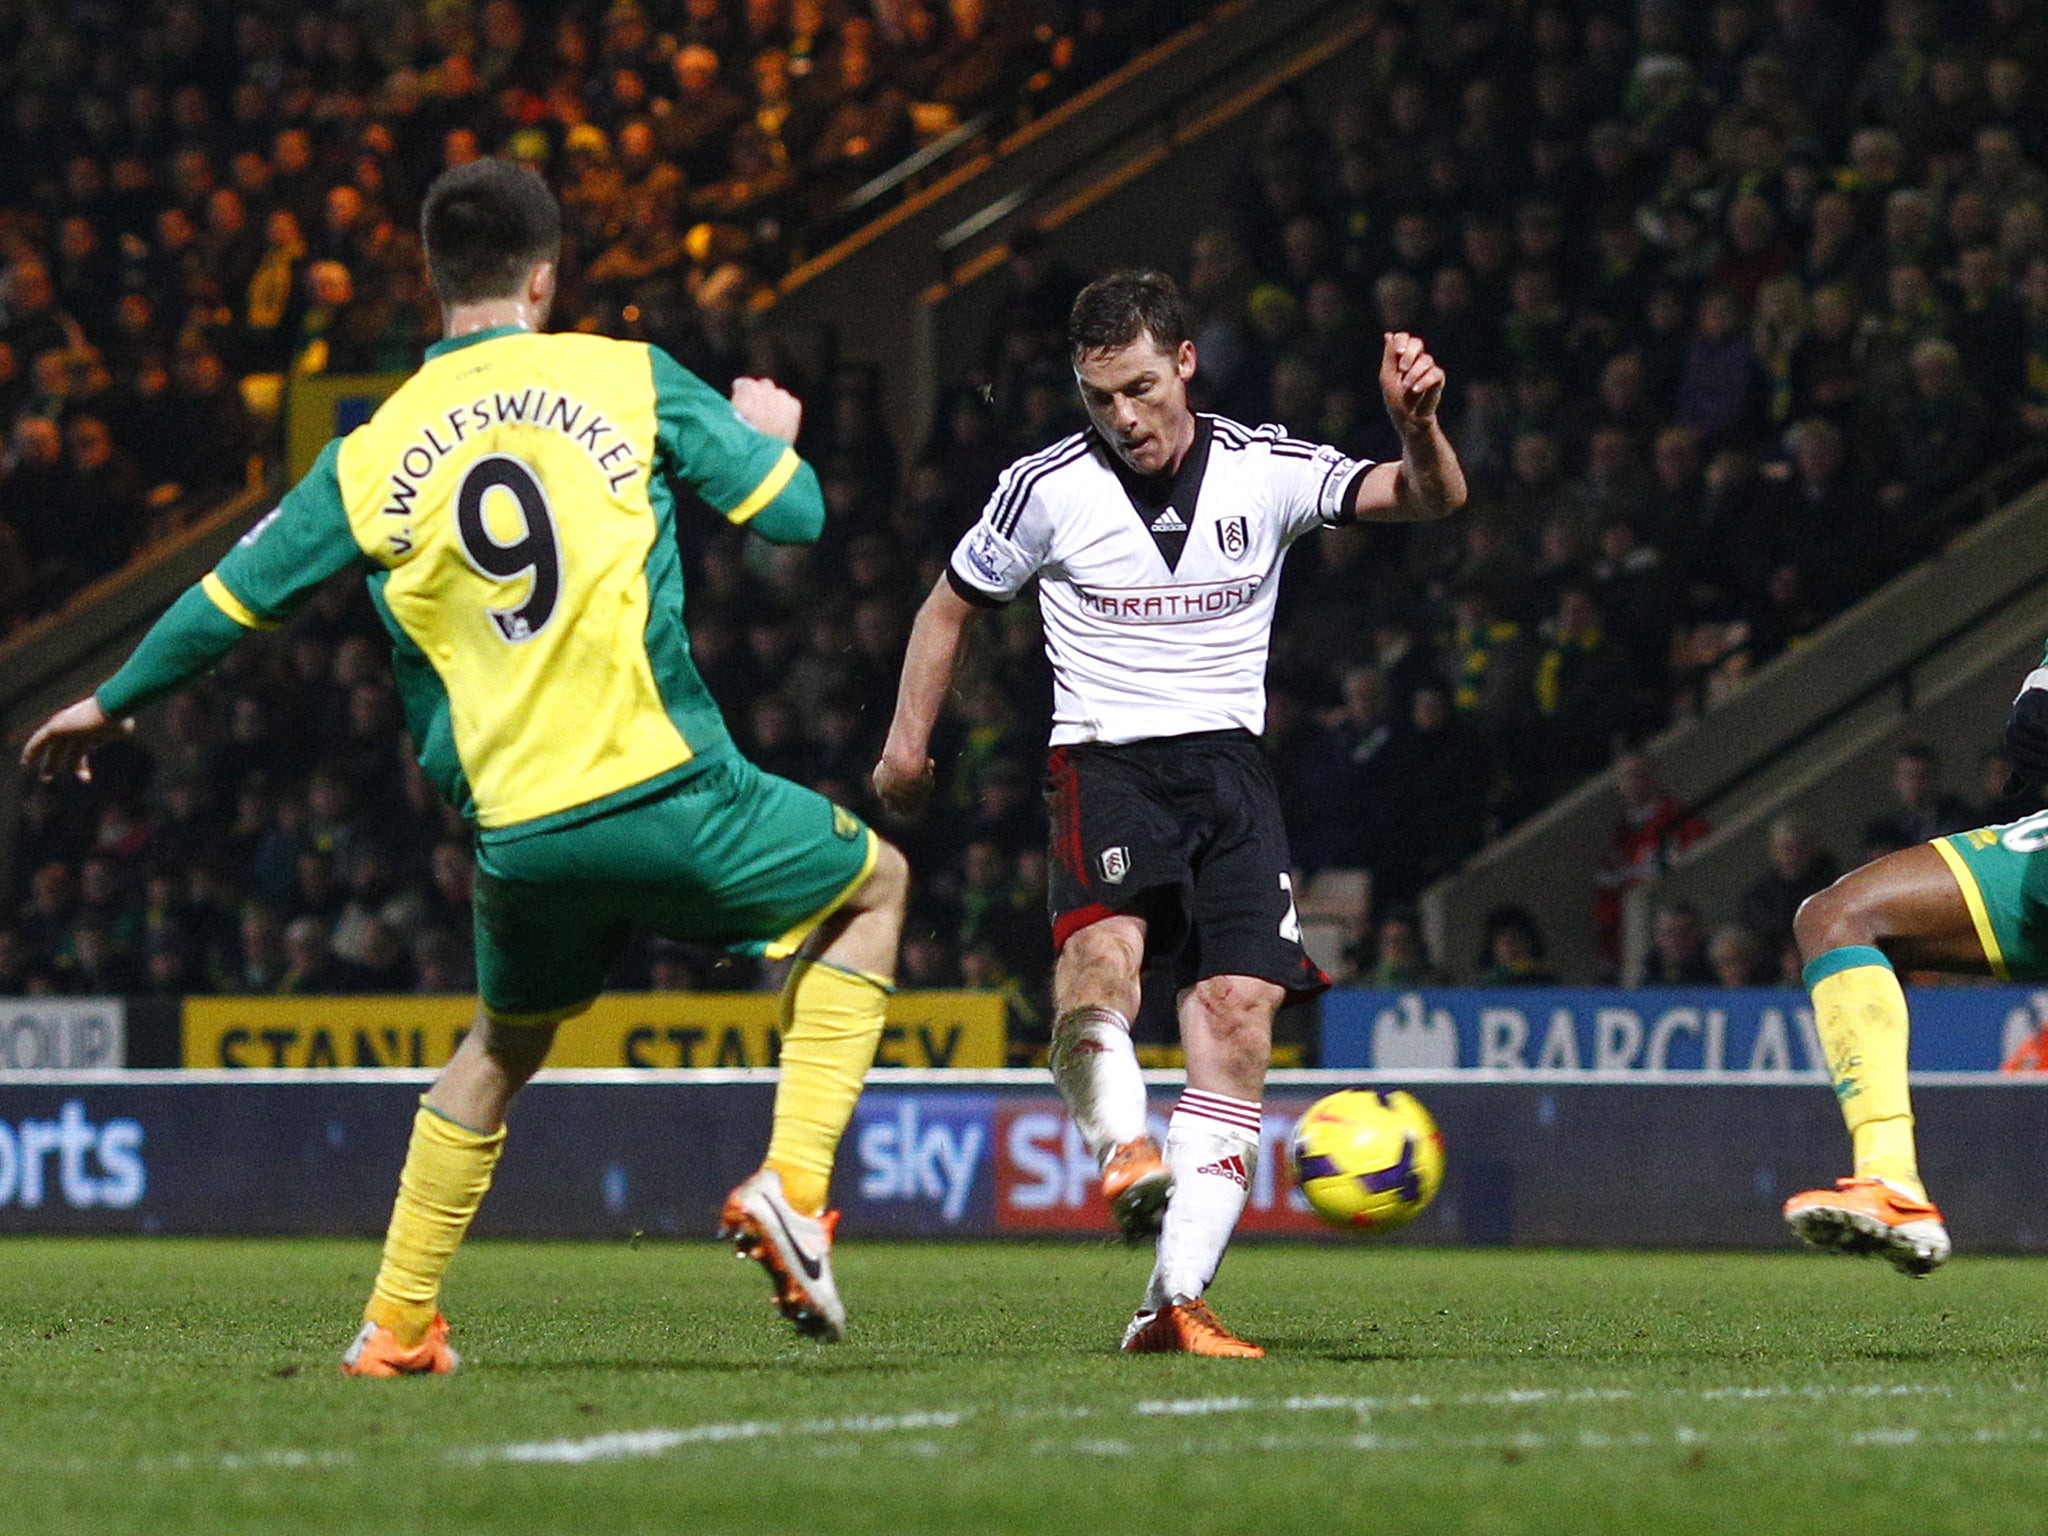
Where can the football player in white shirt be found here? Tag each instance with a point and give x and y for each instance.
(1157, 539)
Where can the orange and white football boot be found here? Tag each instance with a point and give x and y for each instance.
(795, 1249)
(1137, 1184)
(1869, 1216)
(377, 1352)
(1186, 1328)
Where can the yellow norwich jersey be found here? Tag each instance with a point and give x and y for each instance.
(514, 505)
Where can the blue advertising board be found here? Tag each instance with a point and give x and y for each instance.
(1623, 1161)
(1759, 1032)
(922, 1160)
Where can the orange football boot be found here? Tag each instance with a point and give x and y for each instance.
(794, 1248)
(1137, 1183)
(1862, 1216)
(1186, 1328)
(377, 1352)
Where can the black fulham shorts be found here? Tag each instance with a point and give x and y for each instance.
(1185, 832)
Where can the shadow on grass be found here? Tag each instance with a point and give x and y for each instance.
(1952, 1355)
(642, 1365)
(1298, 1346)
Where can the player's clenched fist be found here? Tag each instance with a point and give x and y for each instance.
(767, 407)
(1411, 382)
(903, 787)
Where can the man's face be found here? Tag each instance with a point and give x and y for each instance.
(1365, 693)
(1819, 455)
(1913, 779)
(1137, 396)
(90, 444)
(1633, 778)
(1677, 934)
(38, 441)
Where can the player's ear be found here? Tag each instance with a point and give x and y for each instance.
(1184, 361)
(540, 285)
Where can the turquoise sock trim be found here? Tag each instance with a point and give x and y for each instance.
(887, 988)
(451, 1120)
(1835, 961)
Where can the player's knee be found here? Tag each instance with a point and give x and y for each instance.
(1114, 946)
(1830, 918)
(1239, 1009)
(518, 1045)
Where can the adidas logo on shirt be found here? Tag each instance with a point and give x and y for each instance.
(1168, 522)
(1231, 1168)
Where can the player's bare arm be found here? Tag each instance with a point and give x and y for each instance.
(62, 743)
(1428, 482)
(903, 778)
(767, 407)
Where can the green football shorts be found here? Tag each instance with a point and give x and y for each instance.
(733, 858)
(2004, 875)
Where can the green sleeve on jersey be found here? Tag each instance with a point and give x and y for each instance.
(192, 635)
(298, 546)
(749, 477)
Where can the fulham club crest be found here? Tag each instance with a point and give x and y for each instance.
(1232, 531)
(1116, 863)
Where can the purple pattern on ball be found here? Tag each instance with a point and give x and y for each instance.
(1315, 1166)
(1403, 1177)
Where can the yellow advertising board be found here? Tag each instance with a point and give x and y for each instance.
(624, 1029)
(319, 406)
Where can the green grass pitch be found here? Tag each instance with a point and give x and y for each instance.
(183, 1386)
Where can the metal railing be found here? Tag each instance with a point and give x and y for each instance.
(1921, 538)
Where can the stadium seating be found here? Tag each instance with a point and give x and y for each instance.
(1643, 258)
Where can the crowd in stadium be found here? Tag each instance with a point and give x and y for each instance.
(204, 193)
(1714, 284)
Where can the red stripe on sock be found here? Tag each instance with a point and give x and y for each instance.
(1238, 1114)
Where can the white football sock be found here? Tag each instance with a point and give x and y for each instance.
(1212, 1146)
(1096, 1071)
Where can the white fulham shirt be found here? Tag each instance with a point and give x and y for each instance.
(1157, 592)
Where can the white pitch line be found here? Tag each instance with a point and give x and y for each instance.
(1183, 1407)
(1885, 1437)
(640, 1443)
(1871, 1389)
(617, 1446)
(620, 1445)
(288, 1461)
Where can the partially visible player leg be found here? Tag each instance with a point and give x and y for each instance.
(1095, 1067)
(543, 947)
(1212, 1147)
(457, 1135)
(832, 1012)
(1116, 855)
(833, 1007)
(1246, 960)
(1911, 907)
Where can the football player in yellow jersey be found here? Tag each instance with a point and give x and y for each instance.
(513, 509)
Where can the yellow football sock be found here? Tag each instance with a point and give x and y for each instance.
(1859, 1011)
(447, 1170)
(831, 1024)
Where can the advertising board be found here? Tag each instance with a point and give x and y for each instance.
(623, 1029)
(1760, 1032)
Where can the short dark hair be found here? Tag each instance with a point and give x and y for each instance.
(486, 225)
(1116, 310)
